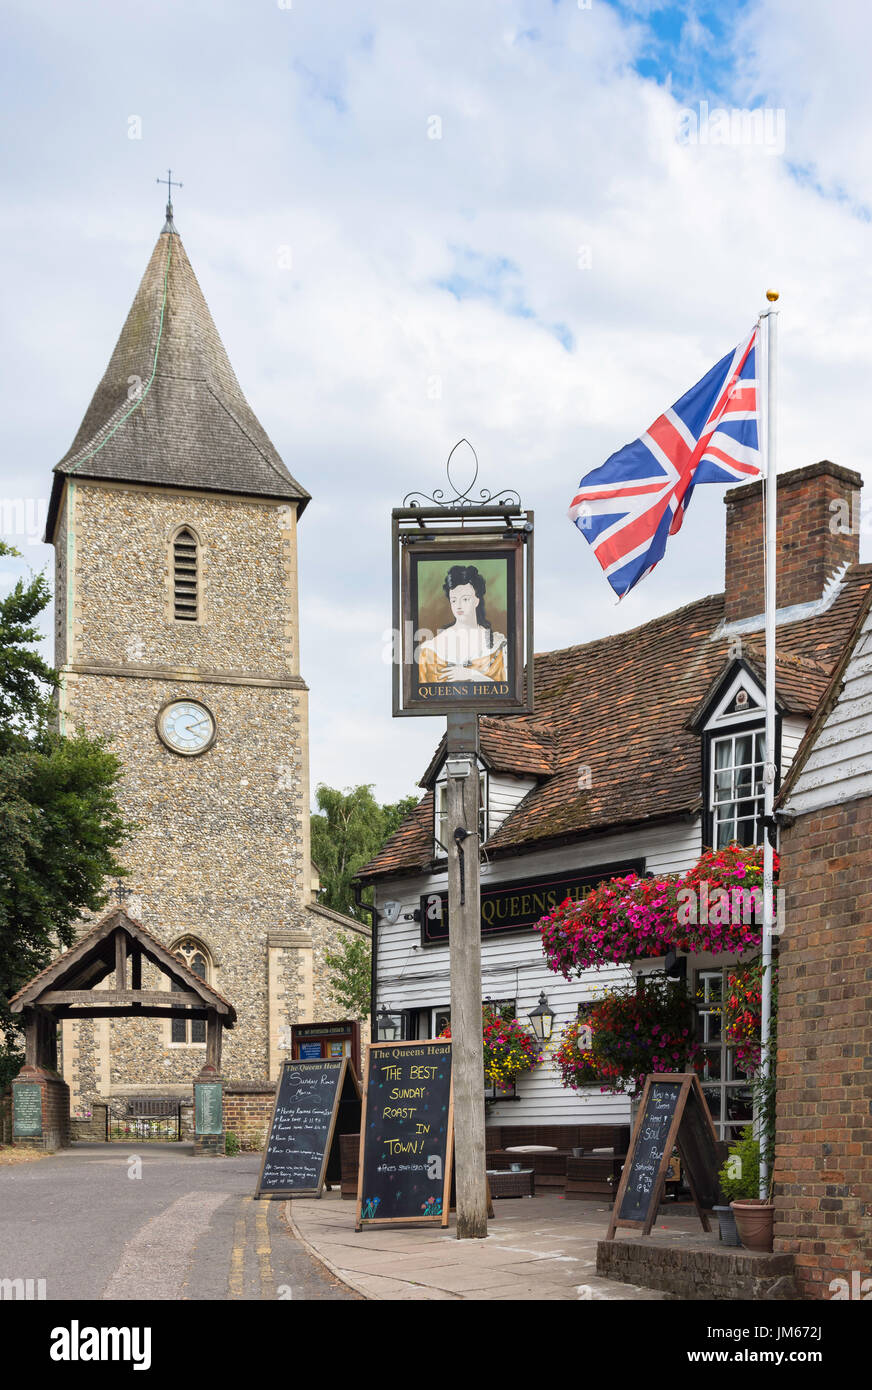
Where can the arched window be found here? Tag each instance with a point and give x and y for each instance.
(186, 596)
(196, 958)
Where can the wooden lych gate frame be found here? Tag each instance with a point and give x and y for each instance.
(117, 943)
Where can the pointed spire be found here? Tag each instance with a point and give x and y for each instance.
(169, 410)
(171, 183)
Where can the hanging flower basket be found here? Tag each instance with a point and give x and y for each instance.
(509, 1049)
(634, 1031)
(743, 1009)
(716, 907)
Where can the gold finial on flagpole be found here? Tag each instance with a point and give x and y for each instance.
(772, 295)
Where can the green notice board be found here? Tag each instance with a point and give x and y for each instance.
(27, 1112)
(208, 1117)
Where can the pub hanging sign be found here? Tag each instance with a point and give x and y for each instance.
(517, 906)
(461, 635)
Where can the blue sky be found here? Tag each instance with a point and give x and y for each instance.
(494, 231)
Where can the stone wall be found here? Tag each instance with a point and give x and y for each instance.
(823, 1166)
(221, 848)
(122, 609)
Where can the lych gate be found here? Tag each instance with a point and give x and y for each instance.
(65, 990)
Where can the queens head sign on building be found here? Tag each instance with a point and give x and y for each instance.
(462, 600)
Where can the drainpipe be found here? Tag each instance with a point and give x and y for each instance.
(373, 986)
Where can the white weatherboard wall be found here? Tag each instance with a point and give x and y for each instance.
(839, 767)
(792, 729)
(513, 967)
(504, 794)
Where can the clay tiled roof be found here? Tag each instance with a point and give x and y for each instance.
(190, 426)
(620, 707)
(506, 747)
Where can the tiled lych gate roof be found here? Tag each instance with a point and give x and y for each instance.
(620, 708)
(169, 410)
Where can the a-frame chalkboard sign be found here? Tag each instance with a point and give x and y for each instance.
(406, 1135)
(672, 1113)
(316, 1101)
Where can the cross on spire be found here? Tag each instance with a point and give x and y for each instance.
(171, 183)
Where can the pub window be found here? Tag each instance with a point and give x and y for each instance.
(726, 1087)
(196, 958)
(185, 577)
(736, 789)
(440, 821)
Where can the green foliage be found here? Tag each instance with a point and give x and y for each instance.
(59, 819)
(11, 1062)
(740, 1176)
(231, 1144)
(349, 831)
(350, 968)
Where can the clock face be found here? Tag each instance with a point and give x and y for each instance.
(186, 726)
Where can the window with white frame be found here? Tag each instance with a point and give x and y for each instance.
(736, 788)
(440, 817)
(726, 1088)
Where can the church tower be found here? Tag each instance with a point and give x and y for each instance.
(174, 522)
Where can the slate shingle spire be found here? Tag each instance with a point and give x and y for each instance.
(169, 410)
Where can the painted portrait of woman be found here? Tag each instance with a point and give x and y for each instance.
(468, 648)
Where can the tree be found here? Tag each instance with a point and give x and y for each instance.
(350, 830)
(59, 820)
(350, 968)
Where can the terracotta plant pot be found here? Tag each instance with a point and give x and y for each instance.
(754, 1219)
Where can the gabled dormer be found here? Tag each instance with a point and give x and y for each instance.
(731, 721)
(513, 759)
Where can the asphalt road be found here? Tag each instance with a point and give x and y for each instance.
(112, 1221)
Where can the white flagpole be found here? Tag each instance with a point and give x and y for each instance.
(770, 316)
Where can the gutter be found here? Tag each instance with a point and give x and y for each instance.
(357, 886)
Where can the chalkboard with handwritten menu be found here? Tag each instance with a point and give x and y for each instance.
(316, 1101)
(406, 1134)
(672, 1113)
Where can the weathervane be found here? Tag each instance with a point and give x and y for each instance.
(170, 183)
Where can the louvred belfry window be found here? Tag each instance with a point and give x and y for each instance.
(185, 577)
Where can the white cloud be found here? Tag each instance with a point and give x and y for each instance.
(308, 128)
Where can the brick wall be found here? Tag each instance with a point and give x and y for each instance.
(823, 1166)
(55, 1110)
(248, 1108)
(814, 537)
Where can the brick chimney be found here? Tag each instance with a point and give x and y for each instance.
(818, 530)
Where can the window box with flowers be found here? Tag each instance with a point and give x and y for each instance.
(509, 1048)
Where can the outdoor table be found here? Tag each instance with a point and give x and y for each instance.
(505, 1183)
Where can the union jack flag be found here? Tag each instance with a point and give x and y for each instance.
(627, 508)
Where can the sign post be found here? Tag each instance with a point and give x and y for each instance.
(464, 911)
(463, 645)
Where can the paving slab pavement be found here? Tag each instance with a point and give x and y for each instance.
(537, 1248)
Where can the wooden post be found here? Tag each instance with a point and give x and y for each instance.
(214, 1030)
(464, 926)
(120, 960)
(31, 1038)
